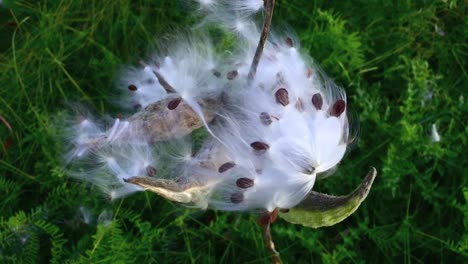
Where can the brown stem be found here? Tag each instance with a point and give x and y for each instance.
(265, 221)
(269, 6)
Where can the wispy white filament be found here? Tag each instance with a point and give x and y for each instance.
(434, 133)
(271, 137)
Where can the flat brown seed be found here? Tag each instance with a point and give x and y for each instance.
(317, 101)
(289, 42)
(174, 103)
(282, 96)
(226, 166)
(338, 108)
(257, 145)
(284, 210)
(265, 118)
(151, 171)
(244, 183)
(132, 87)
(232, 75)
(237, 197)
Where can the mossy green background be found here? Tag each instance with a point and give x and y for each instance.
(403, 65)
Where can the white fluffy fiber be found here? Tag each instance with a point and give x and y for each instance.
(272, 136)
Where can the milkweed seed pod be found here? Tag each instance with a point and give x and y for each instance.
(275, 122)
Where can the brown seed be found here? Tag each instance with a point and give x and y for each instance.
(216, 73)
(237, 197)
(310, 72)
(265, 118)
(317, 101)
(282, 96)
(244, 183)
(151, 171)
(232, 75)
(284, 210)
(132, 87)
(174, 103)
(289, 42)
(259, 146)
(338, 108)
(226, 166)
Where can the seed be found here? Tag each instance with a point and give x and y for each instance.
(226, 166)
(338, 108)
(216, 73)
(232, 75)
(151, 171)
(259, 146)
(244, 183)
(237, 197)
(265, 118)
(284, 210)
(132, 87)
(317, 101)
(174, 103)
(289, 42)
(282, 96)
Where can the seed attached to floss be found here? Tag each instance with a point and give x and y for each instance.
(338, 108)
(232, 75)
(265, 118)
(174, 103)
(317, 101)
(226, 166)
(244, 183)
(132, 87)
(151, 171)
(260, 146)
(237, 197)
(282, 96)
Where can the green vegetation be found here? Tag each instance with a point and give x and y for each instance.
(402, 63)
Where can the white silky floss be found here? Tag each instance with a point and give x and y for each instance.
(273, 134)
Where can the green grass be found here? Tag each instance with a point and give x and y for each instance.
(402, 63)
